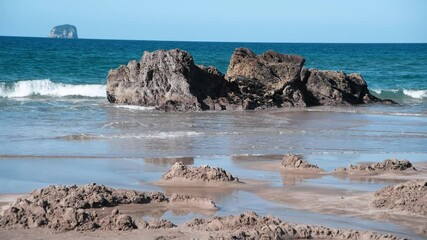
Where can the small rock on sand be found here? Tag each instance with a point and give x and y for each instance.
(293, 161)
(198, 174)
(410, 196)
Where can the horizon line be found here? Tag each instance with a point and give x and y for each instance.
(212, 41)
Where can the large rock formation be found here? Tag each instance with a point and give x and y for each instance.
(269, 79)
(64, 31)
(169, 80)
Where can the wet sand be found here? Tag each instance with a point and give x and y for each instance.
(295, 196)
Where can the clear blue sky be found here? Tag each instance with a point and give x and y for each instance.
(222, 20)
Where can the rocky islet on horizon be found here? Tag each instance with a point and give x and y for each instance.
(64, 31)
(170, 80)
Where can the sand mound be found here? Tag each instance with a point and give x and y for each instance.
(64, 208)
(393, 165)
(251, 226)
(157, 224)
(187, 200)
(410, 196)
(293, 161)
(117, 221)
(179, 171)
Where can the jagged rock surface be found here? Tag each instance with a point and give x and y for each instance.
(410, 196)
(64, 31)
(201, 174)
(169, 80)
(293, 161)
(251, 226)
(270, 79)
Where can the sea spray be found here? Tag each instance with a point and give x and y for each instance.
(45, 87)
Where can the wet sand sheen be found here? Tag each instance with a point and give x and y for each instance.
(262, 178)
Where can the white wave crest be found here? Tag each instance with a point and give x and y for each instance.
(46, 87)
(134, 107)
(418, 94)
(379, 91)
(156, 135)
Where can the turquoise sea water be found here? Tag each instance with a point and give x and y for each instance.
(390, 68)
(52, 103)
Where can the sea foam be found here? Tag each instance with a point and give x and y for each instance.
(48, 88)
(419, 94)
(400, 93)
(134, 107)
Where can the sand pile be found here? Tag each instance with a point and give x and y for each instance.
(65, 208)
(180, 171)
(251, 226)
(187, 200)
(293, 161)
(157, 224)
(393, 165)
(410, 196)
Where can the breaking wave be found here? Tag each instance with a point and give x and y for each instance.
(156, 135)
(134, 107)
(400, 93)
(45, 87)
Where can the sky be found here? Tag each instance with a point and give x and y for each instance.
(324, 21)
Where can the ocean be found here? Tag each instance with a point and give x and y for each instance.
(57, 127)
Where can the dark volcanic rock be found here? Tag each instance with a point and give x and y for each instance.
(337, 88)
(64, 31)
(169, 80)
(273, 79)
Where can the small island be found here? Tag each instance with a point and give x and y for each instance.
(64, 31)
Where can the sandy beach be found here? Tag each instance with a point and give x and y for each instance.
(334, 205)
